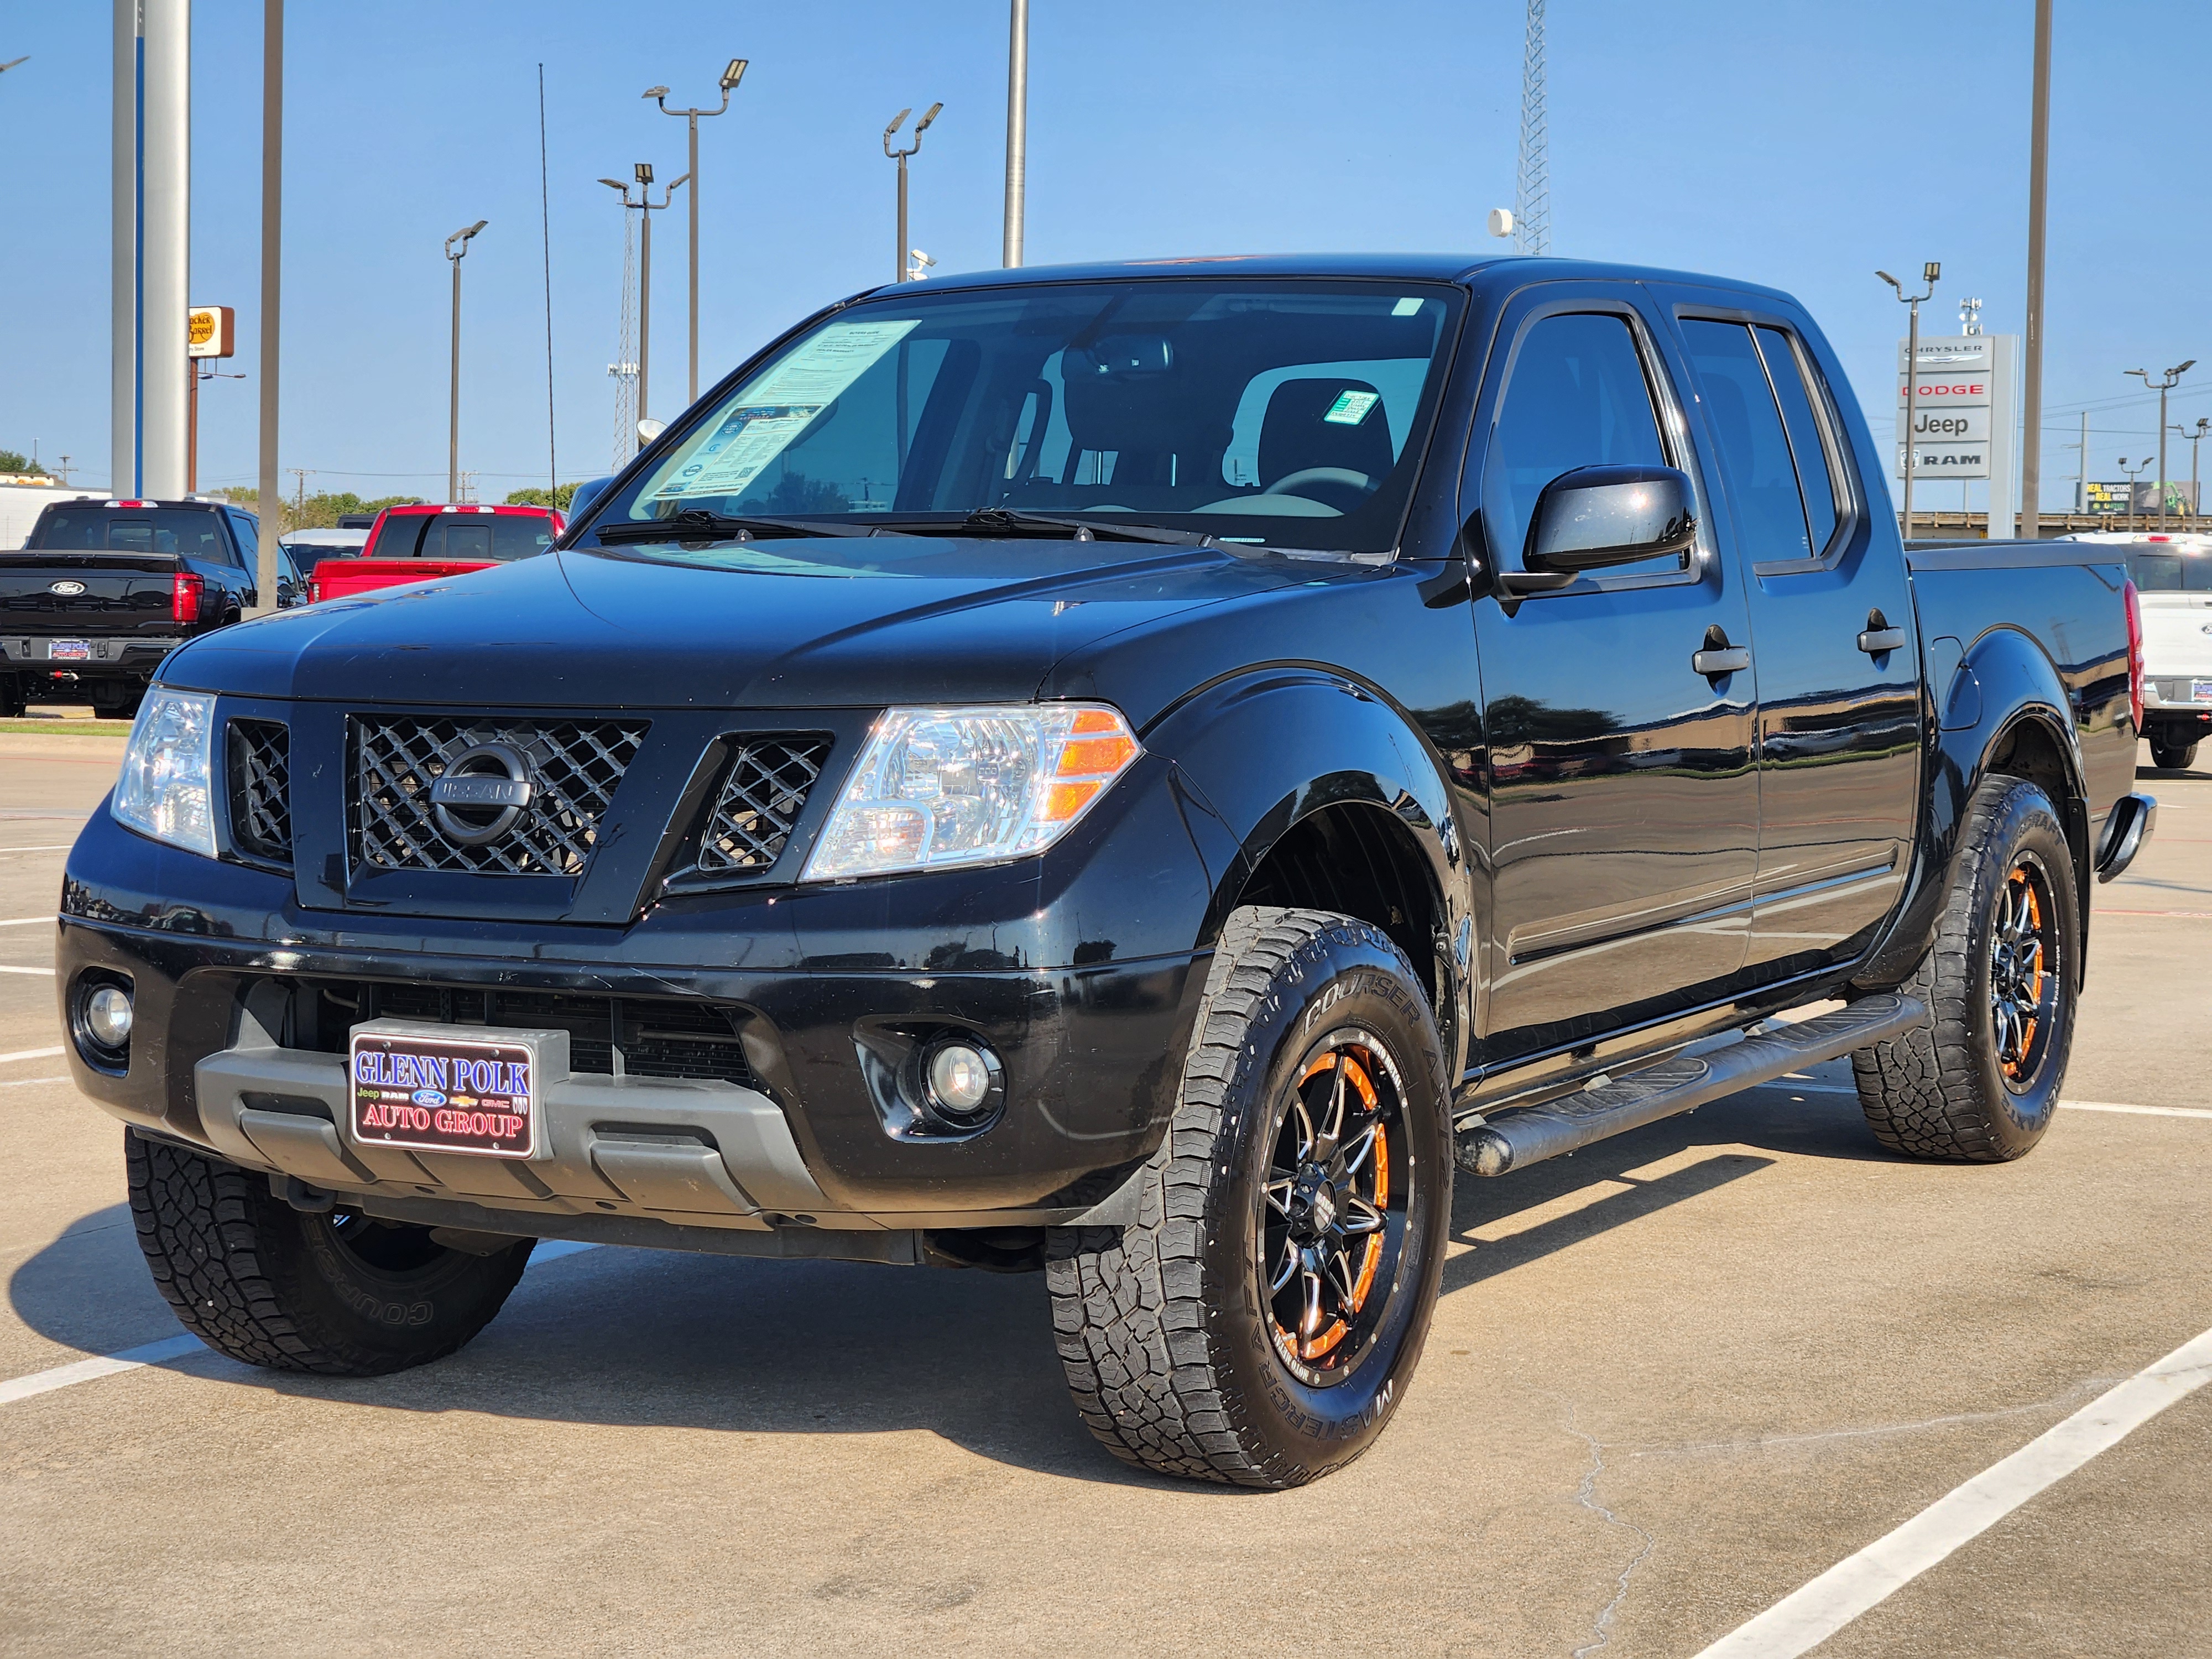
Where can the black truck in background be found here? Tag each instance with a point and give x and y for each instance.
(103, 591)
(1134, 772)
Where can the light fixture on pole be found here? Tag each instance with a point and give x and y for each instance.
(2133, 472)
(731, 73)
(919, 265)
(1928, 274)
(2165, 384)
(899, 256)
(2195, 436)
(464, 236)
(647, 208)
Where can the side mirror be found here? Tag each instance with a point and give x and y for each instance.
(1597, 517)
(579, 503)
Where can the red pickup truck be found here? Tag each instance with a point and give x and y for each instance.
(422, 542)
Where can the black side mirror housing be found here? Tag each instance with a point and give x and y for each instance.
(1597, 517)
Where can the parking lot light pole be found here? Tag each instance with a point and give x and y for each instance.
(647, 208)
(731, 75)
(1017, 131)
(2165, 384)
(2195, 436)
(462, 236)
(899, 257)
(1929, 273)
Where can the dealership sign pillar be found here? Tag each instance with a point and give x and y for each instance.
(1964, 407)
(152, 203)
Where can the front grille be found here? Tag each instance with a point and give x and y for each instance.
(761, 800)
(260, 764)
(576, 766)
(654, 1036)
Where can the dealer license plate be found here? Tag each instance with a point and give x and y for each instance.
(69, 651)
(2200, 690)
(431, 1092)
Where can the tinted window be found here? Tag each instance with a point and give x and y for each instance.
(2163, 572)
(397, 540)
(1754, 453)
(249, 540)
(1286, 412)
(475, 536)
(95, 528)
(1785, 371)
(1578, 398)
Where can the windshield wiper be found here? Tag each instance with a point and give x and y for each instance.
(696, 525)
(1013, 521)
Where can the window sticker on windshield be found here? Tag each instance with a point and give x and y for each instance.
(780, 405)
(1350, 408)
(1408, 307)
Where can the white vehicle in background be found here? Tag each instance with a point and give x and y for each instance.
(22, 501)
(308, 547)
(2172, 576)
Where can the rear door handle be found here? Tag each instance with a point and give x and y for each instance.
(1714, 664)
(1875, 641)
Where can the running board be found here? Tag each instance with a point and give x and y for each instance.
(1533, 1134)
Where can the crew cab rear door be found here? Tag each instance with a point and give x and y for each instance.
(1832, 628)
(1624, 808)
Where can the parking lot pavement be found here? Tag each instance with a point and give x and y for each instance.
(1671, 1380)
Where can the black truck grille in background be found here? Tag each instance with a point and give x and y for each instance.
(656, 1036)
(576, 765)
(259, 755)
(761, 800)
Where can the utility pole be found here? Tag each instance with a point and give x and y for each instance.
(642, 172)
(2133, 472)
(1018, 133)
(2038, 174)
(1928, 274)
(2163, 385)
(271, 487)
(899, 260)
(464, 236)
(2081, 483)
(731, 75)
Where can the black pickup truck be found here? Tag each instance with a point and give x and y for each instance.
(103, 591)
(1138, 772)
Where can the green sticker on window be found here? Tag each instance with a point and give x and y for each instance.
(1350, 408)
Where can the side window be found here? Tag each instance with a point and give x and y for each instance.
(249, 541)
(1747, 425)
(1786, 369)
(1578, 398)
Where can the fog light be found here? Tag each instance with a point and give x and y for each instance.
(963, 1081)
(107, 1016)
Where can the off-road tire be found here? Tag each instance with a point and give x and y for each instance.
(1160, 1326)
(2173, 757)
(1939, 1092)
(264, 1283)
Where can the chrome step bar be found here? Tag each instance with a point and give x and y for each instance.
(1531, 1134)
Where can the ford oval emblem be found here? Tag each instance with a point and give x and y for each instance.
(428, 1097)
(66, 588)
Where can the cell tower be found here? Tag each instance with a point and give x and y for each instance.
(625, 367)
(1532, 178)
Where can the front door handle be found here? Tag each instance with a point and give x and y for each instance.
(1731, 660)
(1875, 641)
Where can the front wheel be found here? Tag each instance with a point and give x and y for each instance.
(338, 1293)
(1978, 1080)
(1261, 1321)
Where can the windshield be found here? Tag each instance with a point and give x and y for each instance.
(2162, 571)
(99, 529)
(1289, 413)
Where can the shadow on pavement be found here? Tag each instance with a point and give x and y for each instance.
(616, 1337)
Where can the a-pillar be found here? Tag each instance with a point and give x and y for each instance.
(152, 167)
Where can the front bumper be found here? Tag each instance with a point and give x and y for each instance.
(224, 1056)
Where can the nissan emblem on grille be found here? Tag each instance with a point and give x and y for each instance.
(493, 798)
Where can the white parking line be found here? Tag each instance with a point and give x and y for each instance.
(27, 921)
(57, 846)
(48, 972)
(1802, 1620)
(31, 1053)
(180, 1346)
(25, 1082)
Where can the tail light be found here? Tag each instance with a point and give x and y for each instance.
(2135, 657)
(185, 592)
(315, 590)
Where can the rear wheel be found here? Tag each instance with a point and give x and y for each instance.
(119, 702)
(339, 1293)
(1978, 1080)
(1260, 1321)
(2171, 756)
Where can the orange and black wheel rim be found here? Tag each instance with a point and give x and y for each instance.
(1333, 1208)
(2026, 979)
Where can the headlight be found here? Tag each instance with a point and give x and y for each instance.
(942, 786)
(164, 791)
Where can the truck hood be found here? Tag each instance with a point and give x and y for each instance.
(799, 625)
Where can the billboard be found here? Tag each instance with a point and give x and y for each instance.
(2141, 496)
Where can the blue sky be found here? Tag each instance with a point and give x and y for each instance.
(1795, 144)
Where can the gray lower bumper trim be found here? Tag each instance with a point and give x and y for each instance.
(697, 1154)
